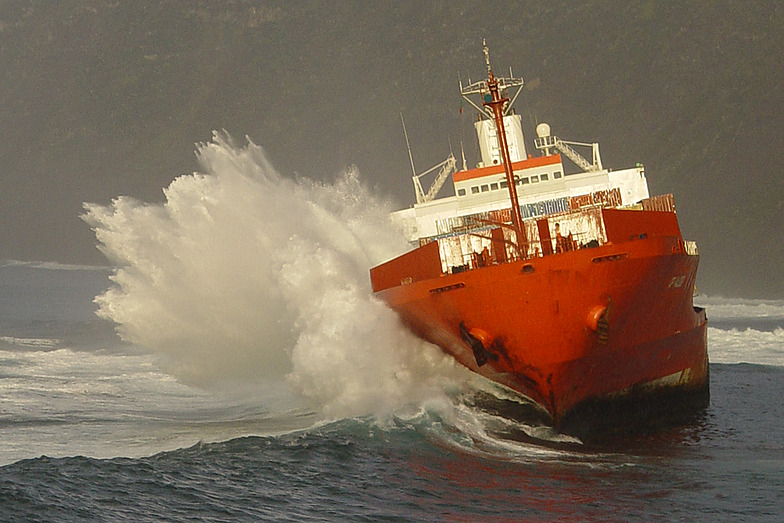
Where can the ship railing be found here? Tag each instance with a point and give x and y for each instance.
(580, 229)
(585, 225)
(662, 202)
(486, 257)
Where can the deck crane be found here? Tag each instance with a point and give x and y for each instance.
(446, 168)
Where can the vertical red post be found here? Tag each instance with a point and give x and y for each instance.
(497, 105)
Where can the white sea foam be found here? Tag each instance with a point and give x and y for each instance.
(243, 274)
(744, 330)
(28, 343)
(66, 402)
(746, 346)
(740, 308)
(52, 266)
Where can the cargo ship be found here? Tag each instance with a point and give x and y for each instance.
(573, 290)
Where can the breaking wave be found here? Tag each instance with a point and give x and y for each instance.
(245, 275)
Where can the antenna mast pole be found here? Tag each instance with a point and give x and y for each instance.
(497, 103)
(408, 146)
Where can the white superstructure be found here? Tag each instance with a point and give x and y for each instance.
(482, 197)
(542, 190)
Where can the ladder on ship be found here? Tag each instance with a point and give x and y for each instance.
(547, 142)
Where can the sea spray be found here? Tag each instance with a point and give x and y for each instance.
(245, 275)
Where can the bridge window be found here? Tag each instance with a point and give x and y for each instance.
(544, 178)
(504, 184)
(485, 188)
(534, 179)
(493, 186)
(523, 181)
(557, 174)
(461, 192)
(474, 190)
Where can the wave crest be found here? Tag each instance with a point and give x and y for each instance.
(242, 274)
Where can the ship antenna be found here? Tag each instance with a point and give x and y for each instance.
(408, 145)
(487, 57)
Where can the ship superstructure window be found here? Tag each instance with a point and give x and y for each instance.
(534, 179)
(557, 174)
(474, 190)
(485, 188)
(523, 181)
(543, 177)
(493, 186)
(461, 192)
(504, 184)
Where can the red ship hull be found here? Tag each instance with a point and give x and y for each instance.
(573, 330)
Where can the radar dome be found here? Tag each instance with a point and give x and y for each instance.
(542, 130)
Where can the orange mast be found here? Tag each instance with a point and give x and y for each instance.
(496, 103)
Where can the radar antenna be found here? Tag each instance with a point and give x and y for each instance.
(487, 56)
(482, 89)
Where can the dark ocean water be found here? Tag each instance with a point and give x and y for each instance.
(717, 468)
(134, 444)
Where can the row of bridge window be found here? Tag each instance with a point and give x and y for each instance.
(525, 180)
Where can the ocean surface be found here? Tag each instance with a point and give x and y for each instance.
(230, 364)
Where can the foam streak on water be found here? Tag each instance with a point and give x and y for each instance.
(745, 330)
(244, 275)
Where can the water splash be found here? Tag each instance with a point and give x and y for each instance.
(245, 275)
